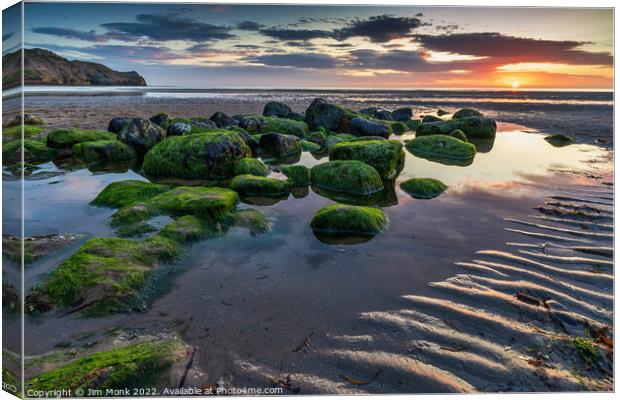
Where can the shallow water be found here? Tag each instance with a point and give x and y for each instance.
(256, 296)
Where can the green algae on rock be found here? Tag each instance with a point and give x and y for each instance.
(317, 137)
(466, 112)
(35, 151)
(203, 202)
(252, 166)
(138, 365)
(423, 188)
(10, 298)
(185, 229)
(103, 151)
(251, 185)
(442, 148)
(208, 156)
(67, 138)
(298, 175)
(338, 219)
(559, 140)
(472, 127)
(124, 193)
(399, 127)
(384, 155)
(307, 145)
(15, 132)
(101, 276)
(457, 133)
(350, 176)
(253, 220)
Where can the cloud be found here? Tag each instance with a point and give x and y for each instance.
(90, 36)
(249, 26)
(297, 60)
(404, 61)
(496, 45)
(295, 34)
(379, 29)
(171, 27)
(7, 36)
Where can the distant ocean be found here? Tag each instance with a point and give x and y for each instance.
(587, 114)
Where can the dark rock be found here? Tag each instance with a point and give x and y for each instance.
(141, 134)
(277, 145)
(179, 128)
(202, 124)
(320, 113)
(222, 120)
(162, 120)
(117, 124)
(473, 127)
(441, 112)
(430, 118)
(276, 109)
(362, 127)
(402, 114)
(466, 112)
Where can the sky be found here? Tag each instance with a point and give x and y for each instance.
(202, 45)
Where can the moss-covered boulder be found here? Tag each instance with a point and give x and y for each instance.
(117, 124)
(15, 132)
(466, 112)
(386, 156)
(252, 166)
(276, 109)
(310, 146)
(102, 276)
(34, 152)
(178, 128)
(413, 124)
(430, 118)
(204, 202)
(104, 151)
(162, 120)
(473, 127)
(442, 148)
(339, 138)
(423, 188)
(283, 126)
(221, 120)
(298, 175)
(321, 114)
(278, 145)
(251, 185)
(207, 156)
(185, 229)
(136, 366)
(349, 176)
(399, 127)
(403, 114)
(317, 137)
(377, 113)
(67, 138)
(342, 219)
(124, 193)
(364, 127)
(441, 112)
(141, 134)
(559, 140)
(253, 220)
(459, 134)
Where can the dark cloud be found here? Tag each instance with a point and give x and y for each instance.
(89, 36)
(295, 34)
(171, 27)
(299, 44)
(404, 61)
(340, 45)
(249, 26)
(379, 29)
(248, 46)
(7, 36)
(514, 49)
(116, 54)
(297, 60)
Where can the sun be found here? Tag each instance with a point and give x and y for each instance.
(515, 85)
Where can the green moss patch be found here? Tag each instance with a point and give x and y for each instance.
(473, 127)
(252, 166)
(34, 152)
(423, 188)
(253, 220)
(310, 146)
(138, 365)
(298, 175)
(67, 138)
(458, 134)
(341, 219)
(441, 147)
(15, 132)
(203, 202)
(103, 151)
(209, 156)
(399, 127)
(102, 276)
(585, 349)
(386, 156)
(185, 229)
(350, 176)
(250, 185)
(124, 193)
